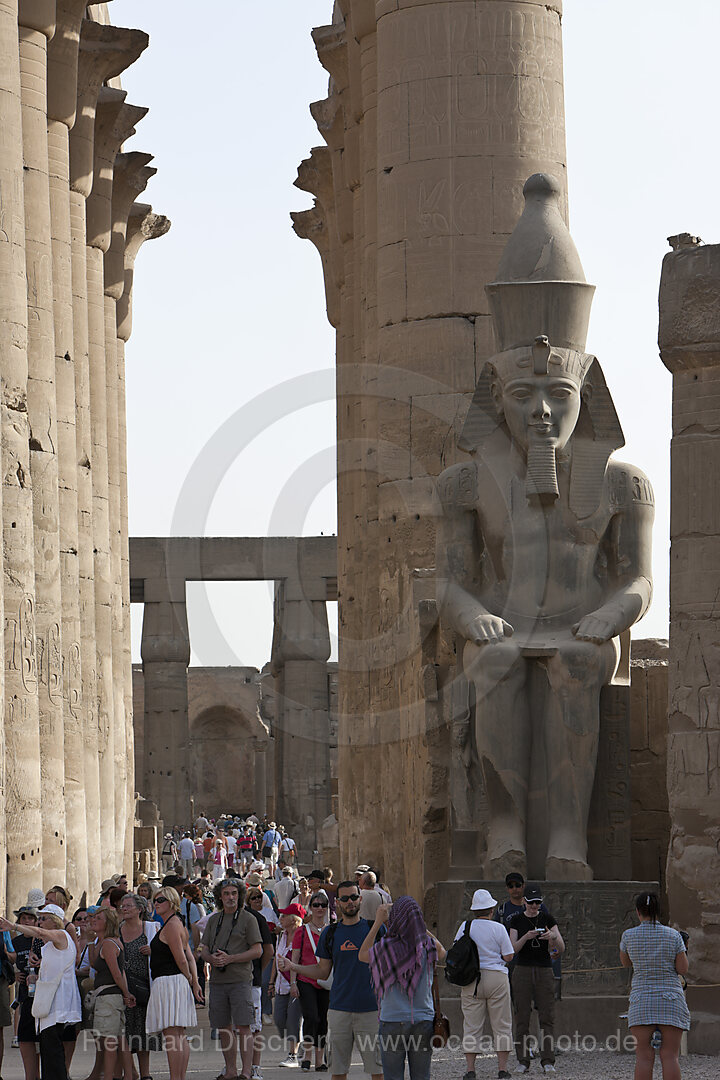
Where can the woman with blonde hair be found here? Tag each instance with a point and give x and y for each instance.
(111, 993)
(57, 998)
(175, 986)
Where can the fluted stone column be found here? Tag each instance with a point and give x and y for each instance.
(438, 113)
(690, 348)
(62, 101)
(105, 51)
(142, 224)
(114, 122)
(165, 650)
(130, 176)
(37, 26)
(302, 726)
(20, 798)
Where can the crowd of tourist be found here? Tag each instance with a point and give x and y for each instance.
(335, 967)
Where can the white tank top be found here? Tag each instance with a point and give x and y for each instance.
(66, 1007)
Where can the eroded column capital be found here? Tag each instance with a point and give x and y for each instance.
(689, 334)
(115, 122)
(37, 15)
(105, 52)
(142, 225)
(62, 61)
(130, 177)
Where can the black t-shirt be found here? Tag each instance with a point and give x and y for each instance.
(21, 947)
(534, 953)
(267, 939)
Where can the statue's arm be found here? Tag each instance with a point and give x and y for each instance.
(458, 560)
(630, 542)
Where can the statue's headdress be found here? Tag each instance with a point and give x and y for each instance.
(541, 309)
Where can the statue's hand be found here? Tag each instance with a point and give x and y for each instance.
(597, 627)
(489, 629)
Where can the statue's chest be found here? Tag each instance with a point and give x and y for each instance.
(514, 528)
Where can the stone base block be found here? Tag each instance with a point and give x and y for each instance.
(588, 1022)
(591, 916)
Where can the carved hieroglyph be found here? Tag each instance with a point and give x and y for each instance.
(543, 555)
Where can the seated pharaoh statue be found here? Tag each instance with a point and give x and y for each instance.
(544, 548)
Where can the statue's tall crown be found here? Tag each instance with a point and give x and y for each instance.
(540, 288)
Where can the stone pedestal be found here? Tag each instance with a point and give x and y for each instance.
(690, 348)
(591, 916)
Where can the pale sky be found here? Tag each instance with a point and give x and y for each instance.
(229, 310)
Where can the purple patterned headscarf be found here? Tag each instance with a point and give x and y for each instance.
(405, 952)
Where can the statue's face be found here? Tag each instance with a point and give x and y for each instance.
(540, 410)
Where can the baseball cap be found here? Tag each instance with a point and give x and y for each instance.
(514, 879)
(362, 869)
(294, 909)
(532, 892)
(482, 900)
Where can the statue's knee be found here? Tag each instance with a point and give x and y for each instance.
(492, 662)
(583, 661)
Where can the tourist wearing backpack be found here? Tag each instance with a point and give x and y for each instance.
(489, 992)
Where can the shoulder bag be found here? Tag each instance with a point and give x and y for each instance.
(325, 983)
(441, 1024)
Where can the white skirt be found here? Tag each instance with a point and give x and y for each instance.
(171, 1004)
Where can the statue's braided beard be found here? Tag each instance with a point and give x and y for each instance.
(541, 482)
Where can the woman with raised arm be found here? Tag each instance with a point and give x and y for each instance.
(402, 969)
(57, 998)
(658, 1013)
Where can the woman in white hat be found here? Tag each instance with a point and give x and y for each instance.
(491, 995)
(57, 998)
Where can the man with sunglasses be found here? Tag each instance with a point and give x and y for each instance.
(353, 1012)
(534, 933)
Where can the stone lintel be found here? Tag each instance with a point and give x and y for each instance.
(105, 52)
(689, 334)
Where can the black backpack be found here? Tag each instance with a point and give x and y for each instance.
(462, 964)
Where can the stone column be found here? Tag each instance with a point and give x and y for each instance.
(130, 176)
(302, 729)
(690, 348)
(105, 51)
(20, 826)
(141, 225)
(62, 101)
(114, 122)
(165, 651)
(438, 113)
(37, 26)
(260, 768)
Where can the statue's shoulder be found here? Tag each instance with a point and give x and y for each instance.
(458, 487)
(628, 486)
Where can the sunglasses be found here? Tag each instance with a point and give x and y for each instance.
(347, 899)
(161, 900)
(318, 905)
(533, 903)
